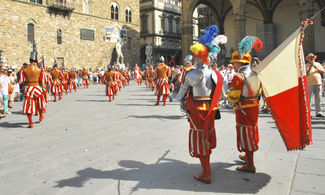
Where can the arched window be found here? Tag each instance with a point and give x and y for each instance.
(30, 32)
(114, 11)
(126, 15)
(59, 36)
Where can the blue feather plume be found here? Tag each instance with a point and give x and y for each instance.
(210, 33)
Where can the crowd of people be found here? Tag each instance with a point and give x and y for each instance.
(35, 85)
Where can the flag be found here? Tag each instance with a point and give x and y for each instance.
(285, 87)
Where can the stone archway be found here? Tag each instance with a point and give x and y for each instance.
(188, 7)
(222, 7)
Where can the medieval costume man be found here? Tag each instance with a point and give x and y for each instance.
(84, 76)
(151, 78)
(187, 67)
(162, 73)
(244, 92)
(109, 78)
(47, 81)
(72, 80)
(65, 80)
(33, 79)
(57, 76)
(199, 95)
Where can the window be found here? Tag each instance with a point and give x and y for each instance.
(59, 36)
(144, 23)
(30, 32)
(36, 1)
(128, 15)
(177, 26)
(170, 24)
(112, 12)
(116, 13)
(163, 29)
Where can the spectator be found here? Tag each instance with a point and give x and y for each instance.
(314, 71)
(13, 81)
(4, 80)
(1, 98)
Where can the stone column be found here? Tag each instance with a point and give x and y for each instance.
(240, 30)
(238, 9)
(187, 38)
(307, 10)
(267, 33)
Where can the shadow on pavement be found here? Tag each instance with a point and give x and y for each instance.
(172, 117)
(13, 125)
(17, 112)
(171, 174)
(92, 100)
(136, 104)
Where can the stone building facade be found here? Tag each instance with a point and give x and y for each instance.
(80, 33)
(161, 29)
(271, 20)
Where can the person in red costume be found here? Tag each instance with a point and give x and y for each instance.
(109, 78)
(84, 76)
(57, 76)
(199, 94)
(32, 77)
(72, 80)
(244, 92)
(162, 73)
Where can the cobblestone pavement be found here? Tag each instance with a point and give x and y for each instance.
(87, 145)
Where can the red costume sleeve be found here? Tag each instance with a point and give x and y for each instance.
(235, 87)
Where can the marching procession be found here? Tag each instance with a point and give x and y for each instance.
(162, 96)
(199, 86)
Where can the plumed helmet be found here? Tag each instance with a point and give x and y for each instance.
(236, 57)
(33, 56)
(188, 59)
(161, 59)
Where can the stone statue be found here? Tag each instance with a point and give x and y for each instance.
(148, 53)
(120, 57)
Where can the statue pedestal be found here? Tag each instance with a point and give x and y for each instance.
(121, 66)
